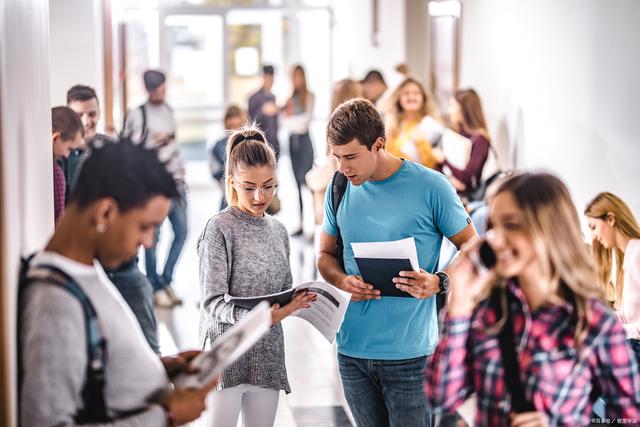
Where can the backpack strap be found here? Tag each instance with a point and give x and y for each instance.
(144, 132)
(94, 409)
(338, 187)
(519, 402)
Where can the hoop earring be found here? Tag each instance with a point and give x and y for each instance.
(101, 228)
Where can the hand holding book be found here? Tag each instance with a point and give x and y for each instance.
(301, 299)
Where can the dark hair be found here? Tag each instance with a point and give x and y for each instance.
(81, 93)
(247, 147)
(355, 118)
(153, 79)
(268, 70)
(66, 122)
(374, 75)
(129, 173)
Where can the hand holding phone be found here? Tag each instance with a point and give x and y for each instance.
(469, 275)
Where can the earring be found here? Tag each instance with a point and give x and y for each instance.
(101, 228)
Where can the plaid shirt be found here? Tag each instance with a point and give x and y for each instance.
(556, 377)
(59, 189)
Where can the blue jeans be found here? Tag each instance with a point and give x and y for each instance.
(138, 293)
(385, 393)
(178, 220)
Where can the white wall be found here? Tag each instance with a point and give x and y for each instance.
(353, 51)
(559, 82)
(25, 156)
(76, 46)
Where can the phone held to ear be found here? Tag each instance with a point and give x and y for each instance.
(483, 258)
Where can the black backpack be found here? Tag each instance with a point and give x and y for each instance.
(94, 408)
(338, 186)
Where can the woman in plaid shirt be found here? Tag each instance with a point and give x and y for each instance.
(570, 347)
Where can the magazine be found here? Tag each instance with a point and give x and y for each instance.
(228, 348)
(325, 314)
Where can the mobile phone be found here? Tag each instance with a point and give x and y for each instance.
(484, 258)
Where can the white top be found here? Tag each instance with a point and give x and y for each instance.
(54, 352)
(159, 122)
(629, 312)
(298, 123)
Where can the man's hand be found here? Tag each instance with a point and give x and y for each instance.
(359, 290)
(179, 363)
(418, 284)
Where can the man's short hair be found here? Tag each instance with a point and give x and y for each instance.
(129, 173)
(268, 70)
(153, 79)
(66, 122)
(355, 119)
(81, 93)
(372, 76)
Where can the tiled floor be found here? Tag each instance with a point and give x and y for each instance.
(316, 399)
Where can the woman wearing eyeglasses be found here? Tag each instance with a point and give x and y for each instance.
(245, 252)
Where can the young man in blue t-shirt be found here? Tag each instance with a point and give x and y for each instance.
(383, 341)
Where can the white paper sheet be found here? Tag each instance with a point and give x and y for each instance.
(405, 248)
(327, 311)
(228, 348)
(457, 148)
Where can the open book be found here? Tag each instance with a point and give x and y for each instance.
(228, 348)
(325, 314)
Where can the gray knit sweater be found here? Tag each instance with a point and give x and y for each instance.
(243, 255)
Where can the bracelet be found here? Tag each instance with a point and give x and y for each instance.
(171, 420)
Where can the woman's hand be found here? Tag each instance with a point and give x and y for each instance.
(465, 281)
(301, 299)
(179, 363)
(457, 184)
(187, 405)
(529, 419)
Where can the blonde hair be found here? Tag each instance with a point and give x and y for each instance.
(345, 90)
(606, 205)
(395, 114)
(247, 147)
(552, 222)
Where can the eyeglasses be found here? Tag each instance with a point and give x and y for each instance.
(267, 190)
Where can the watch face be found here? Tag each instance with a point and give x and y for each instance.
(444, 281)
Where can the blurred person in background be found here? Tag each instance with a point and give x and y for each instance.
(153, 125)
(234, 119)
(67, 135)
(263, 109)
(408, 105)
(615, 234)
(298, 112)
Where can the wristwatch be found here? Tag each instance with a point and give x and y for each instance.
(444, 281)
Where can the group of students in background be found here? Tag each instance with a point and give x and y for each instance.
(531, 334)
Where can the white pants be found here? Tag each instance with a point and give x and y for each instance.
(258, 405)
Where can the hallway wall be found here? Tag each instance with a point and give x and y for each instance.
(25, 163)
(77, 41)
(559, 83)
(353, 50)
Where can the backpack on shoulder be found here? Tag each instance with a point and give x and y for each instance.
(338, 187)
(94, 408)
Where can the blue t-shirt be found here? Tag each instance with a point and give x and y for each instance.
(413, 202)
